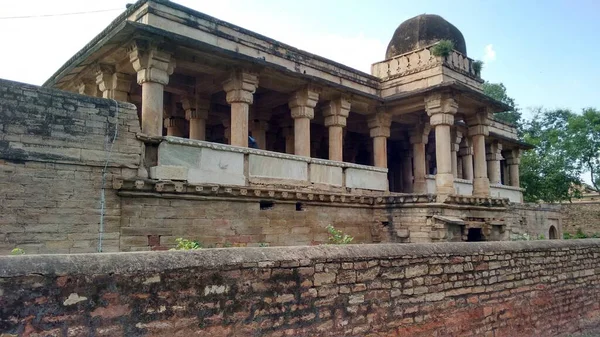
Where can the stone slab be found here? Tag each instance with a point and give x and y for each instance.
(277, 168)
(368, 180)
(169, 172)
(324, 174)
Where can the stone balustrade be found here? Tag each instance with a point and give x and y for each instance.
(420, 60)
(200, 162)
(465, 188)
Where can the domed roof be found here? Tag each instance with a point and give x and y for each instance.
(421, 31)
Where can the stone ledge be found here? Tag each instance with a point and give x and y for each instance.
(217, 258)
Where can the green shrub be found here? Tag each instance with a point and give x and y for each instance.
(263, 244)
(338, 237)
(443, 48)
(477, 66)
(185, 244)
(17, 251)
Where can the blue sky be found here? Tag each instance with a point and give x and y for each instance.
(546, 52)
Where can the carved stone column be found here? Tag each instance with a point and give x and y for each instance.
(478, 130)
(513, 160)
(112, 84)
(196, 112)
(302, 104)
(379, 129)
(466, 155)
(418, 138)
(407, 174)
(441, 110)
(259, 125)
(240, 88)
(493, 157)
(336, 112)
(456, 136)
(153, 65)
(174, 126)
(227, 129)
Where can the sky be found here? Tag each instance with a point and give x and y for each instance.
(545, 52)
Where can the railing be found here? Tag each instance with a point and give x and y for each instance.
(423, 59)
(465, 187)
(199, 162)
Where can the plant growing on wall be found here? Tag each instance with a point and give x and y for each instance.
(477, 66)
(442, 48)
(17, 251)
(337, 237)
(185, 244)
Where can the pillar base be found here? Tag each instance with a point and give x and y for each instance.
(481, 187)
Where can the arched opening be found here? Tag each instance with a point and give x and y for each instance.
(553, 233)
(474, 235)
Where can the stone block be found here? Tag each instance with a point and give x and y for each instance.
(366, 179)
(323, 174)
(277, 168)
(169, 172)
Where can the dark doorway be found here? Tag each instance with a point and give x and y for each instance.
(475, 235)
(553, 233)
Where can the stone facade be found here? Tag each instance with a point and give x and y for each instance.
(53, 148)
(498, 289)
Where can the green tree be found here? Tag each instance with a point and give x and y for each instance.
(497, 91)
(549, 171)
(584, 142)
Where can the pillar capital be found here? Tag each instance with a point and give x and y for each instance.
(513, 156)
(336, 112)
(479, 123)
(152, 63)
(379, 124)
(240, 87)
(195, 107)
(303, 101)
(440, 103)
(87, 86)
(494, 151)
(113, 84)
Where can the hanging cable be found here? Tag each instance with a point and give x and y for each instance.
(103, 188)
(60, 14)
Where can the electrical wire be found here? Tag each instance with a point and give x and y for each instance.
(60, 14)
(103, 188)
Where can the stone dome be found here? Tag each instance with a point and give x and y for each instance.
(421, 31)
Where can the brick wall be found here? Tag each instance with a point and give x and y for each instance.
(584, 216)
(53, 146)
(543, 288)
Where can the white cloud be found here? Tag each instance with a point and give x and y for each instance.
(489, 53)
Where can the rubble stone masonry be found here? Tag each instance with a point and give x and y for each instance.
(541, 288)
(582, 215)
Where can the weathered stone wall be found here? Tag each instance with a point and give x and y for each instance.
(150, 223)
(536, 219)
(584, 216)
(53, 147)
(543, 288)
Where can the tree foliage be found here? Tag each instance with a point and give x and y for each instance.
(497, 91)
(584, 142)
(549, 171)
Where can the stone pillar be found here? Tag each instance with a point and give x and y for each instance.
(379, 129)
(196, 112)
(336, 112)
(418, 138)
(227, 129)
(259, 125)
(407, 175)
(466, 155)
(478, 130)
(240, 88)
(88, 87)
(153, 65)
(287, 131)
(441, 109)
(493, 157)
(112, 84)
(513, 160)
(302, 104)
(174, 126)
(455, 147)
